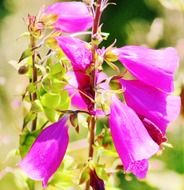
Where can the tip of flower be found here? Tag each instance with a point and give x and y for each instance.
(139, 168)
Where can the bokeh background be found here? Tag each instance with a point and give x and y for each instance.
(155, 23)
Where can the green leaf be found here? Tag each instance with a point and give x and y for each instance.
(36, 106)
(64, 179)
(56, 68)
(101, 151)
(31, 88)
(26, 140)
(51, 100)
(64, 100)
(113, 66)
(84, 176)
(100, 170)
(51, 114)
(27, 53)
(31, 184)
(28, 118)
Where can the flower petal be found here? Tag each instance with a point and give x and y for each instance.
(131, 139)
(47, 152)
(153, 67)
(68, 21)
(154, 131)
(79, 82)
(77, 52)
(155, 105)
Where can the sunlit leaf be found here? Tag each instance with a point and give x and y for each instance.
(51, 114)
(84, 176)
(50, 100)
(27, 53)
(28, 118)
(26, 140)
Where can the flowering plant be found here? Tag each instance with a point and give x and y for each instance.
(68, 87)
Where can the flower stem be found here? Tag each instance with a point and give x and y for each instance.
(92, 122)
(34, 77)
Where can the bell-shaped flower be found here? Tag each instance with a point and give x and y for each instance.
(131, 139)
(78, 87)
(47, 152)
(151, 103)
(154, 67)
(71, 16)
(77, 51)
(154, 131)
(81, 93)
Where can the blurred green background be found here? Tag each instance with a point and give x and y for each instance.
(155, 23)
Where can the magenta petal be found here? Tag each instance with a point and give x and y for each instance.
(78, 82)
(72, 16)
(153, 67)
(155, 105)
(131, 139)
(154, 131)
(47, 152)
(77, 52)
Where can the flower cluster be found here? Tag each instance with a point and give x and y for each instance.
(137, 123)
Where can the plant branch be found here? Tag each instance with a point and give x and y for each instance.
(92, 122)
(34, 77)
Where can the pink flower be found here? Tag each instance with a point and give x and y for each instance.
(153, 67)
(151, 103)
(131, 139)
(47, 152)
(77, 52)
(79, 84)
(71, 16)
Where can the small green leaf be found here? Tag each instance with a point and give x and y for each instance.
(31, 184)
(26, 140)
(51, 114)
(56, 68)
(28, 118)
(31, 88)
(50, 100)
(113, 66)
(27, 53)
(100, 170)
(36, 106)
(84, 176)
